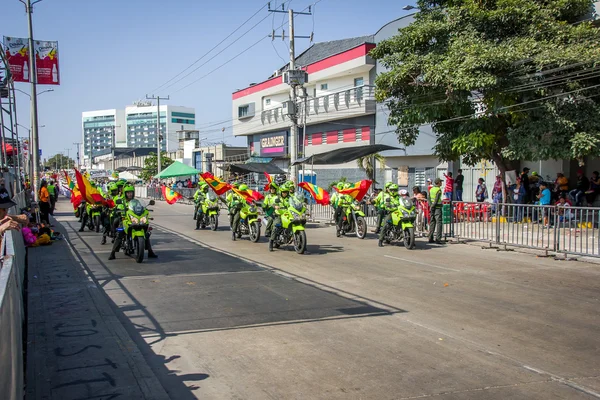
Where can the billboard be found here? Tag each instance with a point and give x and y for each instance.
(46, 59)
(273, 144)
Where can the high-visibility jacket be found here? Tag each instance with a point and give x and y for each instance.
(435, 197)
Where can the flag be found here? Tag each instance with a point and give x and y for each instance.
(270, 180)
(249, 195)
(170, 195)
(76, 197)
(218, 186)
(356, 191)
(89, 193)
(317, 193)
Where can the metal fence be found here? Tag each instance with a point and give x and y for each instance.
(557, 229)
(155, 193)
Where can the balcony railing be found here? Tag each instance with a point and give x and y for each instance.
(354, 98)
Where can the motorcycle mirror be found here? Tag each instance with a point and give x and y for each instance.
(152, 202)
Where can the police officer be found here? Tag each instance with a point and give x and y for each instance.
(268, 207)
(334, 202)
(199, 198)
(53, 195)
(380, 205)
(344, 201)
(108, 215)
(390, 204)
(281, 203)
(235, 206)
(435, 205)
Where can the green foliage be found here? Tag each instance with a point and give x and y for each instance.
(500, 80)
(60, 161)
(366, 164)
(151, 165)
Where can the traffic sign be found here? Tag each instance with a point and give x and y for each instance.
(40, 152)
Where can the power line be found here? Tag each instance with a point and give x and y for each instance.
(213, 48)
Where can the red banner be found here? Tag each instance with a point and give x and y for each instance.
(46, 59)
(17, 54)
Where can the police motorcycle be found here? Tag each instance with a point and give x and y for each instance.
(401, 226)
(292, 227)
(250, 222)
(353, 220)
(136, 227)
(210, 212)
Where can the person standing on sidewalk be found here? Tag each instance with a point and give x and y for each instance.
(460, 178)
(435, 205)
(449, 187)
(44, 197)
(52, 192)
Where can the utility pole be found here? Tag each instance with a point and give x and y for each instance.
(77, 144)
(158, 149)
(294, 79)
(68, 157)
(35, 152)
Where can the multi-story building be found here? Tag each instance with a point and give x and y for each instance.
(134, 127)
(337, 102)
(99, 128)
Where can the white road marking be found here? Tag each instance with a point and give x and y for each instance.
(424, 264)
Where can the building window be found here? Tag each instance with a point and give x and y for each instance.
(358, 84)
(340, 136)
(268, 102)
(323, 86)
(243, 111)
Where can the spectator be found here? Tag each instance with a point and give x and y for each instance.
(449, 187)
(429, 185)
(422, 208)
(519, 195)
(497, 191)
(561, 185)
(583, 184)
(564, 209)
(592, 192)
(545, 199)
(525, 184)
(481, 194)
(189, 183)
(9, 222)
(459, 185)
(44, 197)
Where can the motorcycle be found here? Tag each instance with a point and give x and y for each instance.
(136, 228)
(292, 227)
(210, 212)
(401, 227)
(95, 217)
(250, 222)
(353, 220)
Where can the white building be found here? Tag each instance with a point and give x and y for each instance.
(338, 99)
(134, 127)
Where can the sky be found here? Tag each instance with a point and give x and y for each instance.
(114, 52)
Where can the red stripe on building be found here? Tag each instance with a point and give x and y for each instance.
(365, 135)
(328, 62)
(349, 135)
(258, 87)
(332, 137)
(317, 138)
(337, 59)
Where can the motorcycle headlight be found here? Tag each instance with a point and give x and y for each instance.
(252, 209)
(143, 220)
(134, 220)
(404, 213)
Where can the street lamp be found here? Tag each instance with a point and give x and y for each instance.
(28, 95)
(408, 8)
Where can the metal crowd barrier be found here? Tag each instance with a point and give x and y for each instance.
(320, 212)
(12, 276)
(557, 229)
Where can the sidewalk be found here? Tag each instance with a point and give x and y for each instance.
(76, 346)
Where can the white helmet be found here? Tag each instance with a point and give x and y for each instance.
(403, 192)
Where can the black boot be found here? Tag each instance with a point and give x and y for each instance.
(270, 245)
(103, 240)
(380, 244)
(233, 235)
(112, 255)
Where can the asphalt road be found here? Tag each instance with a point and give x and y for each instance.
(228, 320)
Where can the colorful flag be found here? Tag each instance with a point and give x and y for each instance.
(170, 195)
(249, 195)
(270, 180)
(215, 184)
(76, 197)
(89, 193)
(317, 193)
(356, 191)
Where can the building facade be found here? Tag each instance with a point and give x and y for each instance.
(336, 107)
(134, 127)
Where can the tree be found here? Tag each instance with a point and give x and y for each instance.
(497, 80)
(59, 161)
(151, 165)
(366, 164)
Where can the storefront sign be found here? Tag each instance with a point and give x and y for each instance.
(273, 144)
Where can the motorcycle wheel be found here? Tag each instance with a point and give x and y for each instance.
(140, 243)
(300, 242)
(409, 238)
(254, 232)
(214, 222)
(97, 223)
(361, 227)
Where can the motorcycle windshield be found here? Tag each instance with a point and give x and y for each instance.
(211, 196)
(297, 202)
(136, 207)
(406, 202)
